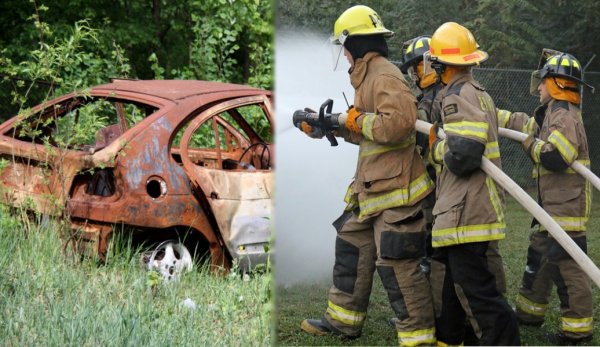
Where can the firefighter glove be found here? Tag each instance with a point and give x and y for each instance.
(351, 116)
(312, 131)
(433, 135)
(528, 145)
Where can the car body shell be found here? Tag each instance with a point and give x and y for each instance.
(155, 186)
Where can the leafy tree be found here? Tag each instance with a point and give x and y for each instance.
(61, 64)
(231, 43)
(224, 40)
(513, 32)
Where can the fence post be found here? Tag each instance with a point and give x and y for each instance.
(583, 79)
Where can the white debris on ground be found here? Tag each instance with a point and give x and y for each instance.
(189, 303)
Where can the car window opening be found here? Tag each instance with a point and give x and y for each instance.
(86, 124)
(101, 183)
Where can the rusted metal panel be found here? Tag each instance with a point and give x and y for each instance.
(243, 206)
(40, 182)
(20, 180)
(241, 200)
(181, 89)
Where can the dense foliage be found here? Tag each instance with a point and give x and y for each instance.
(512, 31)
(55, 46)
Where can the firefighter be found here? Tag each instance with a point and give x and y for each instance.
(469, 210)
(382, 227)
(413, 66)
(428, 109)
(556, 139)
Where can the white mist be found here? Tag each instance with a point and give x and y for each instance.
(311, 176)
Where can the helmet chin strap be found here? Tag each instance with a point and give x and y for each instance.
(438, 67)
(337, 60)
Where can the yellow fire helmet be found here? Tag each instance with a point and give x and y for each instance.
(453, 44)
(358, 20)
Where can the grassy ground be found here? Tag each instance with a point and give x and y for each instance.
(309, 300)
(48, 299)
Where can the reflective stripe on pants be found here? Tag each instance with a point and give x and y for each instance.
(407, 287)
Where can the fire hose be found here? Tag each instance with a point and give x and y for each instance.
(532, 207)
(576, 166)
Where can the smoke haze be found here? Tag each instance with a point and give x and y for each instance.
(312, 176)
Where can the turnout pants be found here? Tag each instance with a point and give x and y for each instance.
(465, 286)
(548, 263)
(392, 243)
(438, 272)
(496, 265)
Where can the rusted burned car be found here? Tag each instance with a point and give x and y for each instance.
(185, 160)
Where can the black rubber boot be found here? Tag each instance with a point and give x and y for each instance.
(524, 321)
(559, 339)
(321, 327)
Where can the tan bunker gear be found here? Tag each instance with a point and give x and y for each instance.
(467, 271)
(566, 196)
(383, 226)
(469, 210)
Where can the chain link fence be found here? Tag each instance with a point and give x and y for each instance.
(510, 90)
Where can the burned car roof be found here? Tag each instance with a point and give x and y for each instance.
(180, 89)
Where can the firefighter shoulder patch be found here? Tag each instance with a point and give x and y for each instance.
(450, 109)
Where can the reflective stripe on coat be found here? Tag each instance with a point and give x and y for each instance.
(390, 172)
(469, 208)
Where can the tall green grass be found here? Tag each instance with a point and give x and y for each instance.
(48, 298)
(309, 300)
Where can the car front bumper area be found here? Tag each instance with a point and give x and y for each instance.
(252, 246)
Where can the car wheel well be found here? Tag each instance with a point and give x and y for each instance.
(192, 239)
